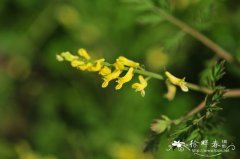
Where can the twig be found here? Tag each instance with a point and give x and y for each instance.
(229, 94)
(194, 33)
(233, 93)
(197, 109)
(199, 88)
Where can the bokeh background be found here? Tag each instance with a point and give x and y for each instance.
(49, 110)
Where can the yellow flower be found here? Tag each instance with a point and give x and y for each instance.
(105, 71)
(177, 81)
(66, 56)
(82, 52)
(140, 86)
(171, 91)
(118, 65)
(97, 66)
(59, 58)
(76, 63)
(115, 74)
(85, 66)
(127, 62)
(125, 78)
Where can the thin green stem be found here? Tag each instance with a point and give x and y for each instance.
(199, 88)
(149, 74)
(142, 72)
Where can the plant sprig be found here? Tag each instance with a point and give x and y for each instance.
(193, 127)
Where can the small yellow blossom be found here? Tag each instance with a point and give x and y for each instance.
(66, 56)
(124, 79)
(76, 63)
(82, 52)
(127, 62)
(59, 58)
(98, 66)
(177, 81)
(171, 91)
(105, 71)
(140, 86)
(85, 66)
(118, 65)
(115, 74)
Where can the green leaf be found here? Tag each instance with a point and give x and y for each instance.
(158, 128)
(160, 125)
(212, 74)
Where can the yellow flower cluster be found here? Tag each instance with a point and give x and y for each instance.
(120, 65)
(84, 62)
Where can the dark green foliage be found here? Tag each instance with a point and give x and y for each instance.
(61, 112)
(152, 142)
(214, 74)
(213, 100)
(205, 121)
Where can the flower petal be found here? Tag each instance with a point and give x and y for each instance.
(82, 52)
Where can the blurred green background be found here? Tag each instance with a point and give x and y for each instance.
(49, 110)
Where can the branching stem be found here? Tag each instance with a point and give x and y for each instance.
(233, 93)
